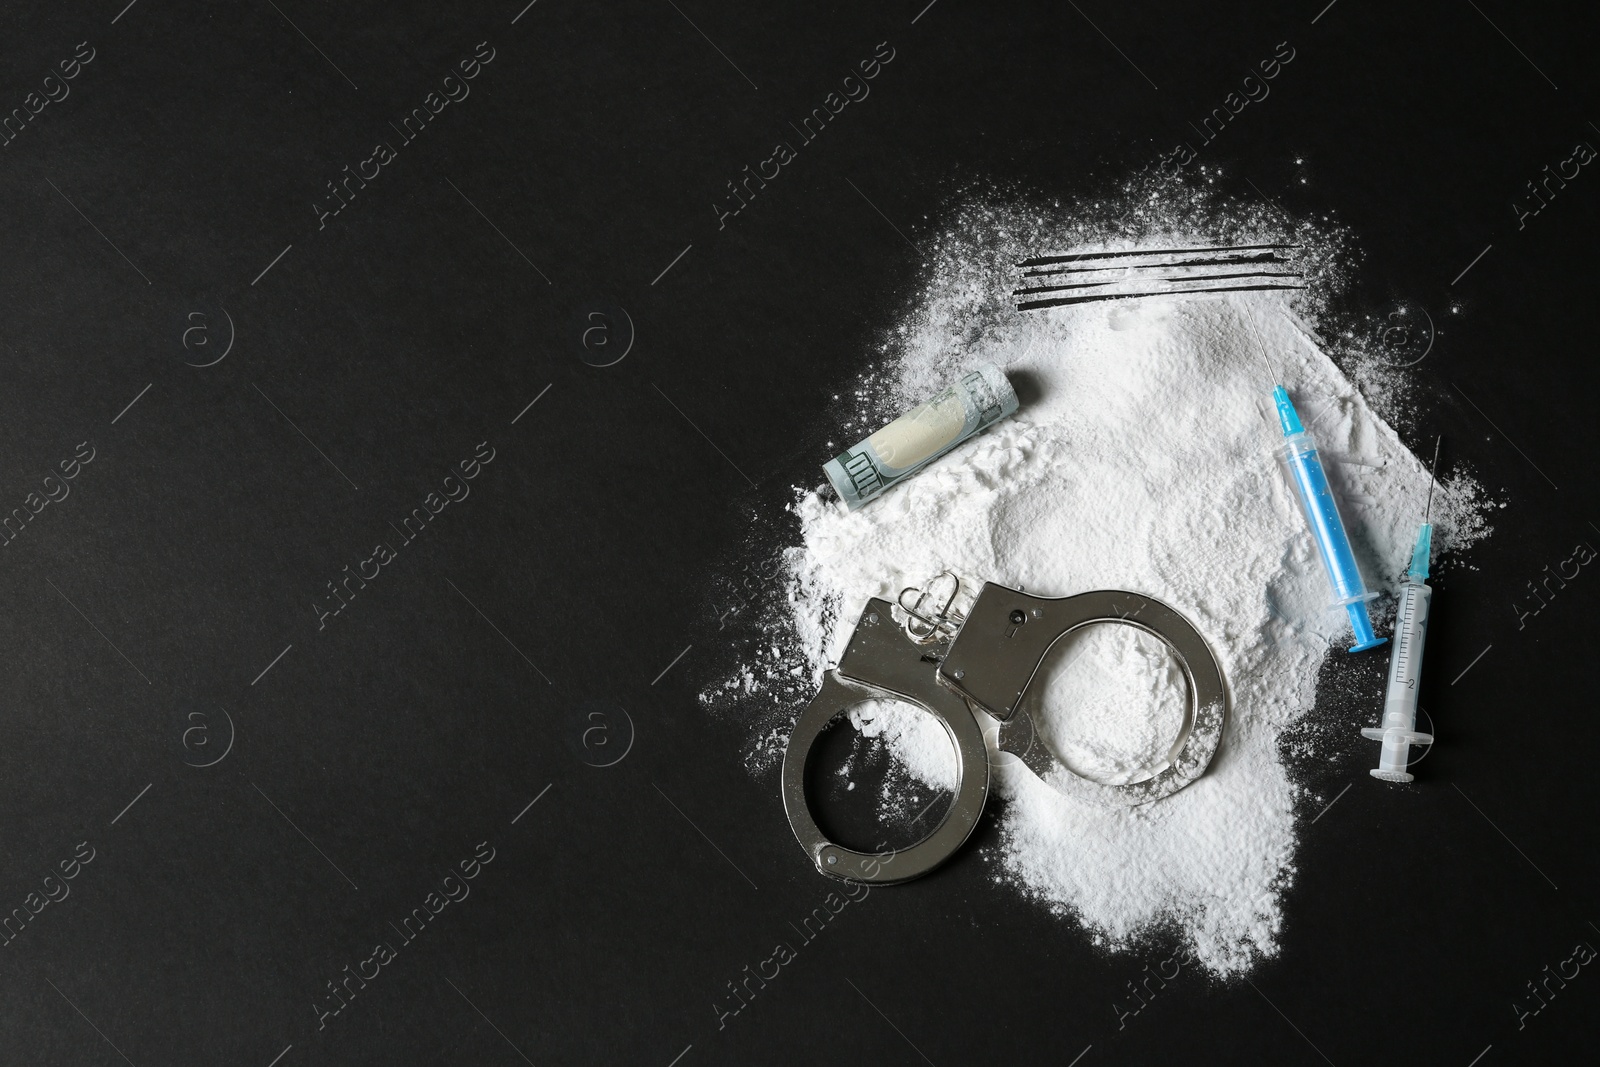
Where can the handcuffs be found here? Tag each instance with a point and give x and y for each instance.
(953, 668)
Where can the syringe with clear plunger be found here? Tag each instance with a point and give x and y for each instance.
(1399, 730)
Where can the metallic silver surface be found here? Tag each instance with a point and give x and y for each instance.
(990, 664)
(1007, 636)
(881, 662)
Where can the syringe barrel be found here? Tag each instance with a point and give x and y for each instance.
(1299, 453)
(1405, 663)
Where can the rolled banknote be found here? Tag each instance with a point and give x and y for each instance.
(981, 398)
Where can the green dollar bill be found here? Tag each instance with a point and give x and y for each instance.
(866, 470)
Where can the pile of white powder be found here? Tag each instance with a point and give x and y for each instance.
(1142, 460)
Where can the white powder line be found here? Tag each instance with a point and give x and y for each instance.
(1480, 1055)
(680, 1056)
(1324, 11)
(1086, 1048)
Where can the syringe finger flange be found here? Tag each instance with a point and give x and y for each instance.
(1412, 737)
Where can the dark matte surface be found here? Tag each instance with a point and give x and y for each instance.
(380, 750)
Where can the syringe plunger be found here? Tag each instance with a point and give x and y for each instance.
(1396, 752)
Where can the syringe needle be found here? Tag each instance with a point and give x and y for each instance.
(1272, 376)
(1265, 362)
(1432, 476)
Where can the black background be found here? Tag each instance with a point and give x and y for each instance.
(423, 719)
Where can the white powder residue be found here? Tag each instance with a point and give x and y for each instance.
(1141, 460)
(919, 743)
(1109, 701)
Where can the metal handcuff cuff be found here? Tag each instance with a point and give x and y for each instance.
(954, 668)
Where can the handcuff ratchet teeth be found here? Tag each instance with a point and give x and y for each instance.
(954, 667)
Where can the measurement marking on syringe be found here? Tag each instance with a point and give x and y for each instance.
(1474, 663)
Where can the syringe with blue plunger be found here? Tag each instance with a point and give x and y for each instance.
(1299, 453)
(1399, 730)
